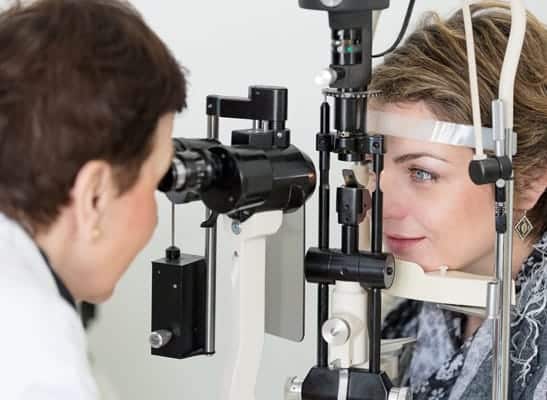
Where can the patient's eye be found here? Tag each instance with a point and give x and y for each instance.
(422, 176)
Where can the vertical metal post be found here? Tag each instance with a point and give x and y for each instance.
(172, 224)
(498, 132)
(507, 279)
(375, 295)
(211, 260)
(501, 318)
(324, 217)
(350, 239)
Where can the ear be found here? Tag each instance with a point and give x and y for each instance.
(530, 196)
(92, 193)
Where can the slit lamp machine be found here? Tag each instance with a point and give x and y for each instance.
(250, 185)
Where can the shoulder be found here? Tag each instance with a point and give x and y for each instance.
(44, 352)
(44, 347)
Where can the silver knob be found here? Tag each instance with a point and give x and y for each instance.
(331, 3)
(160, 338)
(293, 389)
(326, 77)
(402, 393)
(335, 331)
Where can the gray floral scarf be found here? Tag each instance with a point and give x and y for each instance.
(445, 366)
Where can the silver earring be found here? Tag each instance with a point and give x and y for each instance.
(524, 227)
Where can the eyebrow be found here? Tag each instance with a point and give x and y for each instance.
(413, 156)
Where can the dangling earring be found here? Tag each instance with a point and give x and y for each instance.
(524, 227)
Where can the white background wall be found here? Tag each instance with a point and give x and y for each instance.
(227, 46)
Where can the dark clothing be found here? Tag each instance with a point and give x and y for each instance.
(445, 366)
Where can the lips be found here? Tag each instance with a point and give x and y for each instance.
(400, 244)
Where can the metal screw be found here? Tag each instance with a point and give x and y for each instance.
(158, 339)
(236, 228)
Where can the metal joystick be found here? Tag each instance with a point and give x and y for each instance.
(336, 331)
(160, 338)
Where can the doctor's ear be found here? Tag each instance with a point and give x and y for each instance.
(92, 193)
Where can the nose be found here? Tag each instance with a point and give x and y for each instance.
(396, 203)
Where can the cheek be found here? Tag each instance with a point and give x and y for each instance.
(141, 216)
(460, 208)
(136, 223)
(460, 226)
(126, 230)
(134, 220)
(435, 210)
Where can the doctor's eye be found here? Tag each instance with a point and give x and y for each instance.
(422, 176)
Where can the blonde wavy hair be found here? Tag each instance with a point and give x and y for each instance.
(431, 66)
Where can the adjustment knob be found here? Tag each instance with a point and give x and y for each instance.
(402, 393)
(293, 389)
(326, 77)
(331, 3)
(335, 331)
(159, 338)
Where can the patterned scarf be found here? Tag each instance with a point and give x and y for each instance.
(443, 364)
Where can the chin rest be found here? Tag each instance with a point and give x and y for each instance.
(462, 291)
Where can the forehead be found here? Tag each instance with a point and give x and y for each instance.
(416, 109)
(397, 146)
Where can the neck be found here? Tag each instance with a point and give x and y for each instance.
(521, 251)
(52, 241)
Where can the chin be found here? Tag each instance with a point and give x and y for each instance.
(99, 297)
(430, 268)
(417, 260)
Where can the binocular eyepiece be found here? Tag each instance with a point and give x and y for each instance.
(238, 178)
(192, 171)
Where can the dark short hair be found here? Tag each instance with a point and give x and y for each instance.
(80, 80)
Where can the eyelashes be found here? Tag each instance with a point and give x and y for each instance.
(420, 175)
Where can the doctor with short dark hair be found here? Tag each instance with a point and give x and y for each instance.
(88, 95)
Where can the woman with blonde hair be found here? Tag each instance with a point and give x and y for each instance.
(434, 215)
